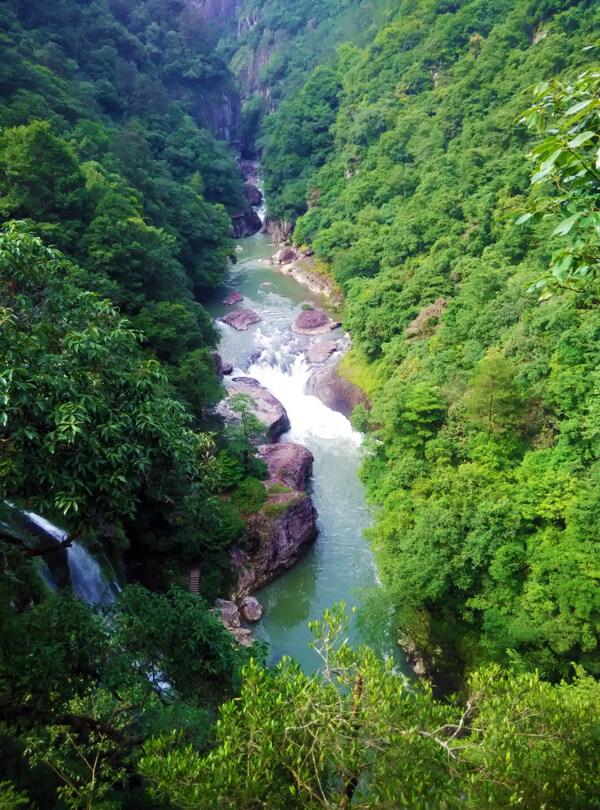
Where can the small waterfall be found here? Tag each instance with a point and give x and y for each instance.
(85, 572)
(86, 577)
(311, 420)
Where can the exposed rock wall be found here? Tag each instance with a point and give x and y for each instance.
(278, 537)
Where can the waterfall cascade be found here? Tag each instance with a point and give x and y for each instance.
(85, 571)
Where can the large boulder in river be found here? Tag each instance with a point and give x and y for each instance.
(319, 352)
(251, 609)
(334, 391)
(265, 406)
(241, 319)
(253, 193)
(288, 464)
(245, 223)
(313, 322)
(233, 298)
(218, 364)
(279, 535)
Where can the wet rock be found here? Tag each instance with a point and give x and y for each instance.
(227, 369)
(285, 255)
(319, 352)
(253, 193)
(233, 298)
(218, 364)
(266, 407)
(266, 284)
(245, 223)
(251, 609)
(230, 615)
(313, 322)
(289, 464)
(337, 393)
(243, 637)
(241, 319)
(279, 537)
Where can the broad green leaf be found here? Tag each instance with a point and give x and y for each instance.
(581, 139)
(578, 107)
(566, 225)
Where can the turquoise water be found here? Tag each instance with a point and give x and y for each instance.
(340, 565)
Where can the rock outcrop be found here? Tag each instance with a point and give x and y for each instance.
(319, 352)
(307, 271)
(233, 298)
(313, 322)
(286, 525)
(220, 109)
(285, 255)
(279, 535)
(218, 364)
(250, 170)
(288, 464)
(253, 193)
(245, 223)
(251, 609)
(266, 407)
(278, 230)
(241, 319)
(425, 323)
(334, 391)
(231, 618)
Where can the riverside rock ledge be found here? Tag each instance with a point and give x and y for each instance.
(267, 408)
(283, 530)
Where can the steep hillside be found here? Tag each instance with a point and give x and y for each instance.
(110, 116)
(272, 46)
(488, 519)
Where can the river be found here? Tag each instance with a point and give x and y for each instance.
(340, 565)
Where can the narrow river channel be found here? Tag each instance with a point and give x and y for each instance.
(340, 565)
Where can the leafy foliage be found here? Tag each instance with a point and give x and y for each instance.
(360, 735)
(482, 444)
(568, 159)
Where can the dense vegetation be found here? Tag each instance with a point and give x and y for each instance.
(106, 382)
(114, 173)
(483, 441)
(403, 166)
(275, 45)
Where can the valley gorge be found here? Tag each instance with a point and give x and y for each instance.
(299, 404)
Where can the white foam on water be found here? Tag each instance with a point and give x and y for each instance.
(87, 581)
(86, 577)
(310, 418)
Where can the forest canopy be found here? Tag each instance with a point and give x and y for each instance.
(440, 162)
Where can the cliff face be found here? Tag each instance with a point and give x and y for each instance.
(220, 110)
(223, 14)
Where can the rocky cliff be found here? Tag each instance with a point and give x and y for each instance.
(281, 532)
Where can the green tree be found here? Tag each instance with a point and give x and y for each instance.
(567, 171)
(493, 399)
(360, 735)
(245, 431)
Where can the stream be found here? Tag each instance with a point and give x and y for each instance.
(340, 564)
